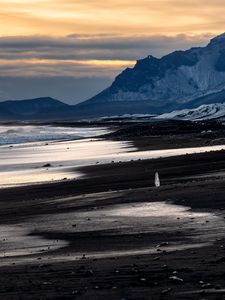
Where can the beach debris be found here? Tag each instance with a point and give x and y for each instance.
(96, 287)
(207, 286)
(89, 273)
(46, 166)
(157, 180)
(167, 291)
(156, 258)
(220, 260)
(176, 279)
(163, 244)
(133, 271)
(218, 287)
(76, 292)
(165, 267)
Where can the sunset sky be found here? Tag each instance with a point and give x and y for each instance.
(71, 49)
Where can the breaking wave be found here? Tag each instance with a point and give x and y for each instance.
(25, 134)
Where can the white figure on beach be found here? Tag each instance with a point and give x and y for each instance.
(157, 181)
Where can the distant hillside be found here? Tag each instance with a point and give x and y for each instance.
(31, 107)
(35, 109)
(5, 115)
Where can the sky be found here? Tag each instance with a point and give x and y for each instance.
(72, 49)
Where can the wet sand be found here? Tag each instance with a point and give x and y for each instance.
(112, 235)
(35, 163)
(32, 163)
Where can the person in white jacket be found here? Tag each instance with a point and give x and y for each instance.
(157, 180)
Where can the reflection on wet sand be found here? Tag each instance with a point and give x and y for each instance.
(40, 162)
(105, 231)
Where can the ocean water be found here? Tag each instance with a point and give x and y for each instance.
(35, 154)
(28, 133)
(23, 164)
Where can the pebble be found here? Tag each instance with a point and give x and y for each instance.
(176, 279)
(89, 273)
(163, 244)
(46, 166)
(167, 291)
(156, 258)
(207, 286)
(142, 279)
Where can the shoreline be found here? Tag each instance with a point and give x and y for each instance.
(111, 234)
(34, 163)
(23, 163)
(131, 174)
(85, 219)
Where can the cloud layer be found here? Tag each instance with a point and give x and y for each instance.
(76, 39)
(83, 55)
(121, 16)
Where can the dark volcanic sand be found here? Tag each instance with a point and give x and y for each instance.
(136, 255)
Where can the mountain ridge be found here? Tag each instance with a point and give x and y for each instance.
(169, 82)
(179, 80)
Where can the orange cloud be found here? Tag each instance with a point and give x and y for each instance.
(108, 34)
(96, 38)
(60, 17)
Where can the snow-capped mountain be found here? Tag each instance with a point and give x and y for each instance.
(180, 80)
(214, 111)
(155, 85)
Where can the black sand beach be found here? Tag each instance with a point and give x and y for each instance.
(105, 236)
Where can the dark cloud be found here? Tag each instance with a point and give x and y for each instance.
(57, 68)
(75, 67)
(94, 47)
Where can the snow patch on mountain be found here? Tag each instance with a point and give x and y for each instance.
(203, 112)
(181, 84)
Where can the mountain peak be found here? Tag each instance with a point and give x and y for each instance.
(218, 40)
(176, 80)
